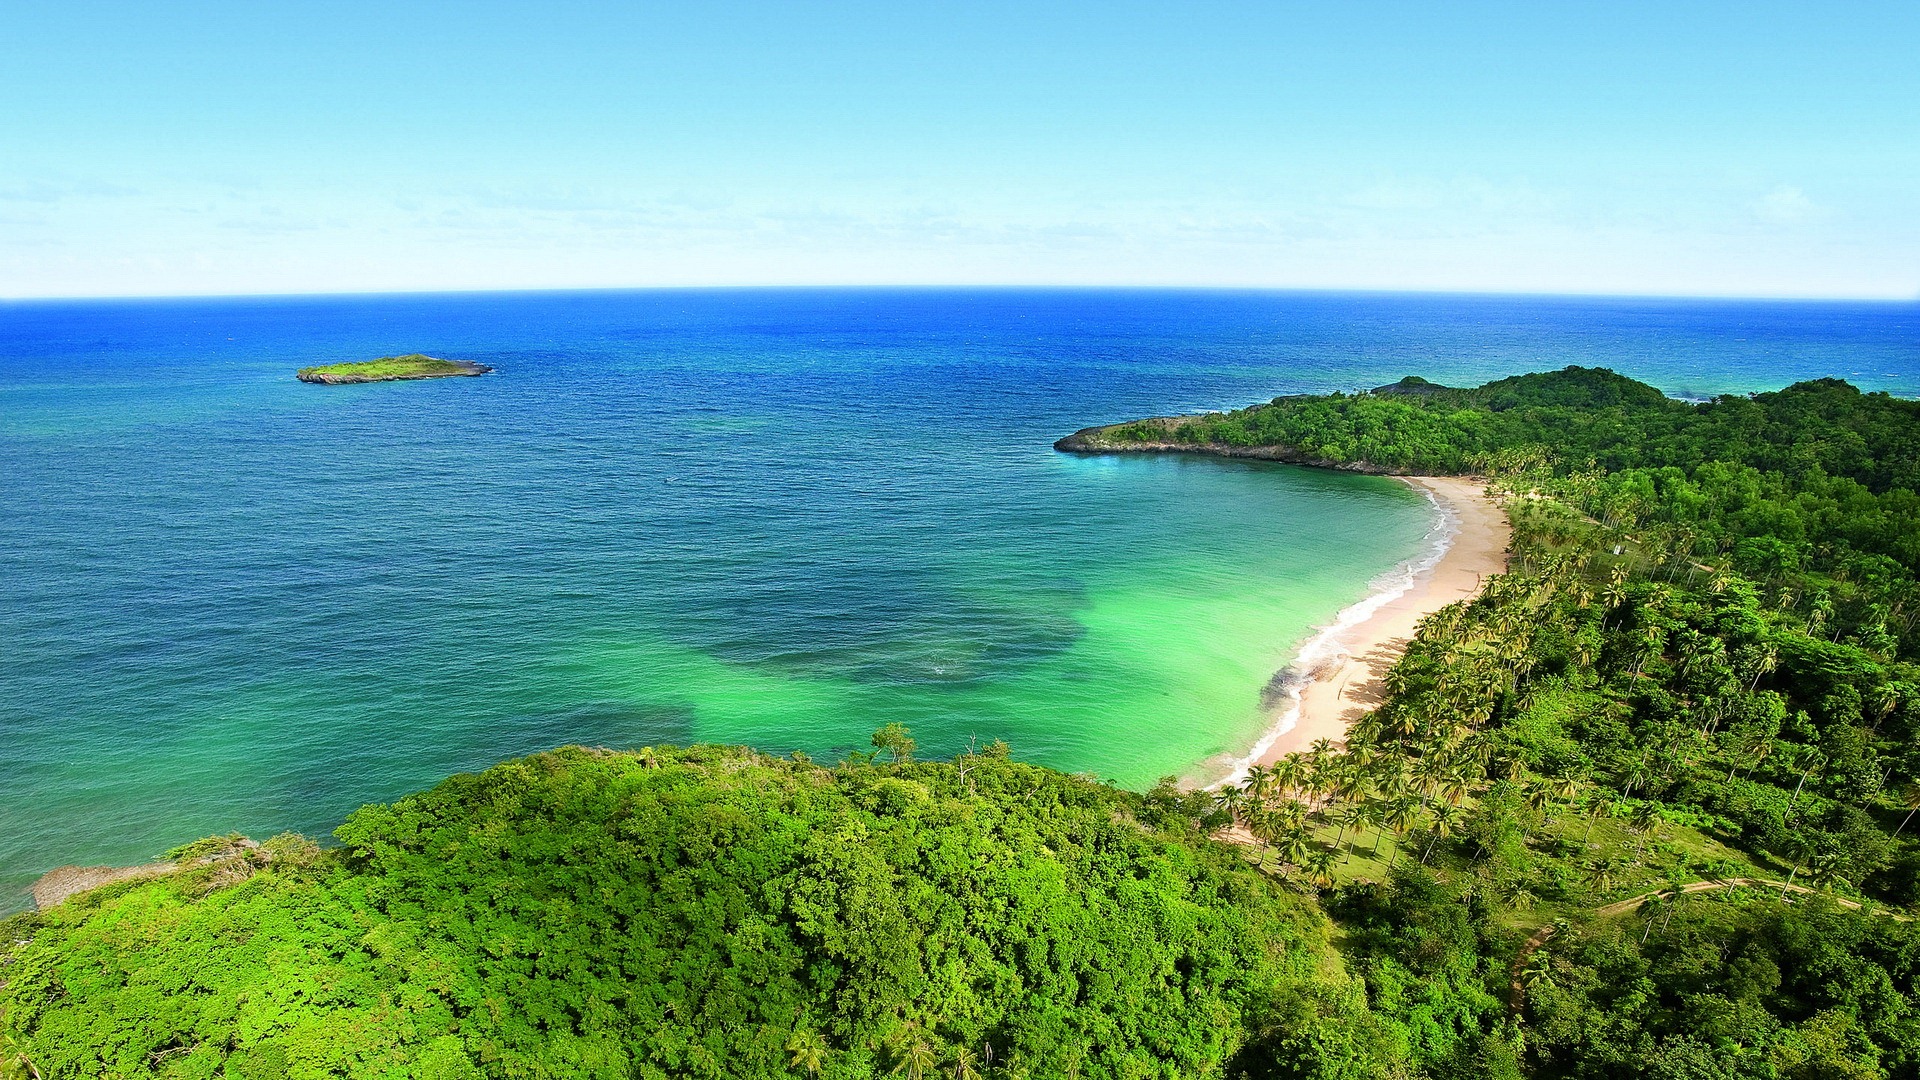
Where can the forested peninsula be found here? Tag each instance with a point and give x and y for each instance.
(1639, 809)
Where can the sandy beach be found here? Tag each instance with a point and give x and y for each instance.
(1345, 682)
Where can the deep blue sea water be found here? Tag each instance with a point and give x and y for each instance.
(232, 601)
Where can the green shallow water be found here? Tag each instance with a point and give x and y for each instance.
(1151, 654)
(233, 601)
(239, 602)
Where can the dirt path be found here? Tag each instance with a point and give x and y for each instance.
(1517, 991)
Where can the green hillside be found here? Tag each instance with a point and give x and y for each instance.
(699, 912)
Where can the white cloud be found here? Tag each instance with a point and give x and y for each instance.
(1786, 205)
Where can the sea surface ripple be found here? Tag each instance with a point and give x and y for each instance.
(232, 601)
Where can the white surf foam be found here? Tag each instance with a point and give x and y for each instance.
(1329, 645)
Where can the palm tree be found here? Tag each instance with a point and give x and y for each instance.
(1651, 641)
(1759, 754)
(1294, 847)
(1752, 746)
(1909, 798)
(1884, 698)
(1825, 870)
(1517, 896)
(1354, 817)
(1536, 793)
(965, 1064)
(1644, 821)
(1614, 595)
(1539, 969)
(1640, 773)
(1458, 783)
(1446, 821)
(1376, 813)
(1431, 773)
(1233, 799)
(1801, 849)
(1813, 759)
(1585, 651)
(1602, 875)
(809, 1051)
(1599, 805)
(1400, 816)
(1764, 662)
(1259, 783)
(1319, 868)
(915, 1057)
(1651, 908)
(1264, 823)
(1288, 773)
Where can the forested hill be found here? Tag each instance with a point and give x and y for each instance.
(703, 912)
(1583, 417)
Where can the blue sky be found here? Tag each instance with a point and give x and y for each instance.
(1724, 149)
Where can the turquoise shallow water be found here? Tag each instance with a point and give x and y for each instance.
(234, 601)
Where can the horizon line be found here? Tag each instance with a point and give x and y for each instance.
(1330, 290)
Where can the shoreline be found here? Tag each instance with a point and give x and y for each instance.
(1335, 676)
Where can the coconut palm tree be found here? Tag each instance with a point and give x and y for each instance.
(1909, 798)
(914, 1056)
(808, 1050)
(1402, 814)
(1644, 821)
(1259, 783)
(1319, 868)
(1759, 754)
(1536, 793)
(1650, 641)
(1376, 813)
(1801, 849)
(1812, 758)
(1637, 774)
(1750, 747)
(1233, 799)
(1651, 907)
(1294, 847)
(1517, 896)
(1289, 773)
(1602, 875)
(1826, 870)
(1446, 821)
(1354, 817)
(1539, 969)
(1884, 698)
(1764, 663)
(1567, 785)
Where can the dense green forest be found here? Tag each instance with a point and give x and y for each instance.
(700, 912)
(1640, 809)
(1696, 671)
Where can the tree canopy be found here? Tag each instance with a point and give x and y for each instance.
(698, 912)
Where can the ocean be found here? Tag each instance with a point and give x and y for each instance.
(230, 601)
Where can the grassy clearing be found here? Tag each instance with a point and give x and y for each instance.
(390, 367)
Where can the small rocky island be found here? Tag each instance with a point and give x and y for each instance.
(389, 369)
